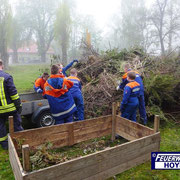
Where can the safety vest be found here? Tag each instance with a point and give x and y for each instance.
(8, 93)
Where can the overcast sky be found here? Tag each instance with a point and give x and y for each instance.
(101, 10)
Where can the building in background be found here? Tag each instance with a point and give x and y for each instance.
(29, 55)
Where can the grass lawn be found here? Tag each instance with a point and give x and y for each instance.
(24, 77)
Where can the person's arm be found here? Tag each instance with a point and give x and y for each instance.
(68, 66)
(13, 94)
(80, 85)
(123, 83)
(126, 95)
(37, 86)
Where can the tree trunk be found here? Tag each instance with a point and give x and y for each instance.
(5, 58)
(162, 46)
(161, 37)
(43, 57)
(64, 54)
(15, 56)
(171, 28)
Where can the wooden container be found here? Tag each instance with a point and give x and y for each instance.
(99, 165)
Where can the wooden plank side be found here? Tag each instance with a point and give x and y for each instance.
(91, 135)
(132, 129)
(56, 139)
(125, 135)
(108, 163)
(39, 136)
(135, 125)
(106, 124)
(14, 160)
(91, 122)
(59, 134)
(100, 128)
(120, 168)
(93, 159)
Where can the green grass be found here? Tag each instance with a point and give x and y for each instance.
(25, 75)
(5, 168)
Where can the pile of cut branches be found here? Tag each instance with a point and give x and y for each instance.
(100, 73)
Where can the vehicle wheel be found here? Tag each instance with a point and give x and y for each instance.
(45, 119)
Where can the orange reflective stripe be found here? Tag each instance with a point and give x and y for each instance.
(56, 76)
(68, 83)
(124, 76)
(73, 77)
(49, 90)
(133, 84)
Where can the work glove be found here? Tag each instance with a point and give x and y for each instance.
(75, 60)
(19, 109)
(117, 88)
(39, 90)
(18, 105)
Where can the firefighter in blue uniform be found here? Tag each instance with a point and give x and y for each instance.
(56, 90)
(77, 95)
(130, 100)
(138, 79)
(62, 70)
(10, 105)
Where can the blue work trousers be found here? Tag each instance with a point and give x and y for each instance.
(59, 120)
(129, 112)
(142, 109)
(79, 113)
(17, 127)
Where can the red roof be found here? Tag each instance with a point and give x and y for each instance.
(30, 49)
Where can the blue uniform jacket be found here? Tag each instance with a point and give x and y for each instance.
(8, 94)
(138, 80)
(131, 93)
(61, 102)
(77, 85)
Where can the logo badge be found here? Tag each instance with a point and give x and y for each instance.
(165, 160)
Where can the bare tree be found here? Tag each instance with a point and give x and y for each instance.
(158, 19)
(40, 17)
(173, 25)
(165, 17)
(5, 29)
(62, 28)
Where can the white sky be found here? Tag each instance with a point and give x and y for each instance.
(101, 10)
